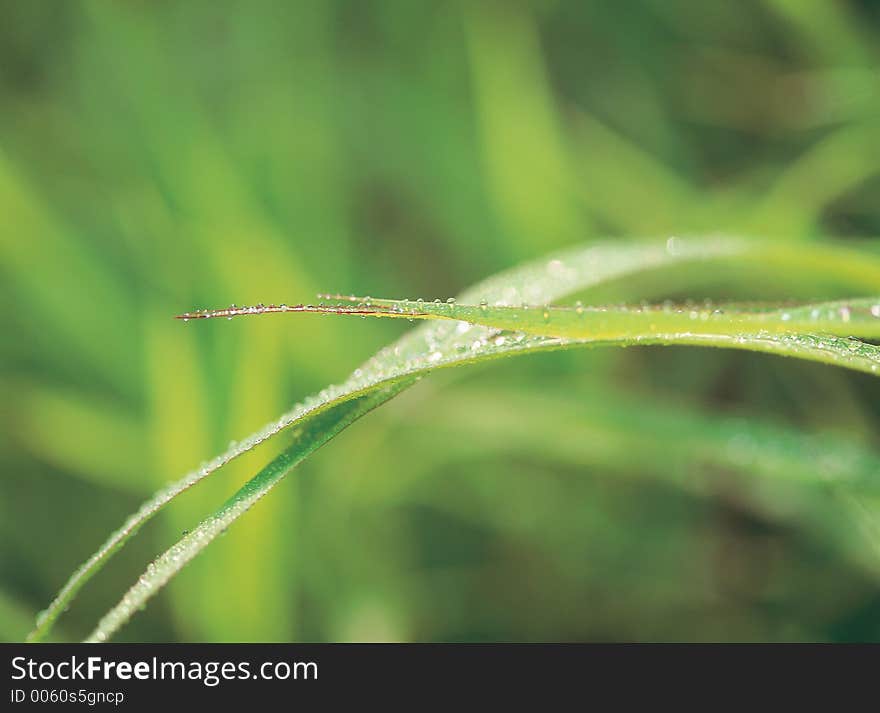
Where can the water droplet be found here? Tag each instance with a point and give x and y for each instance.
(450, 301)
(484, 306)
(844, 313)
(673, 245)
(875, 310)
(556, 268)
(579, 307)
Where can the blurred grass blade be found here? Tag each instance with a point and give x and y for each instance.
(608, 432)
(452, 343)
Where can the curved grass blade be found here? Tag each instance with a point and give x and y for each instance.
(833, 350)
(314, 433)
(491, 344)
(451, 343)
(535, 282)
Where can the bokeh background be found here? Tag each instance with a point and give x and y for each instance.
(159, 156)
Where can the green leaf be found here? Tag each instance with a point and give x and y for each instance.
(816, 331)
(452, 343)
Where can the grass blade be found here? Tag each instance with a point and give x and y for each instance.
(594, 265)
(167, 565)
(457, 343)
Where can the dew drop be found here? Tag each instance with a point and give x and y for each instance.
(556, 268)
(875, 310)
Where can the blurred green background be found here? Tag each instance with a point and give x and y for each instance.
(159, 156)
